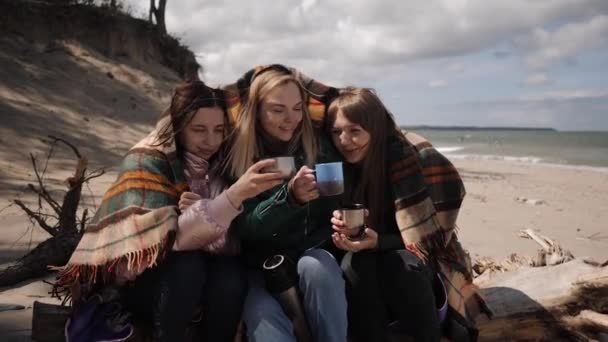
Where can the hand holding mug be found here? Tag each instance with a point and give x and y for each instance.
(350, 221)
(253, 182)
(303, 186)
(187, 199)
(368, 241)
(330, 178)
(351, 233)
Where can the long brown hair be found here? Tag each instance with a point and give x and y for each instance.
(187, 99)
(363, 107)
(244, 149)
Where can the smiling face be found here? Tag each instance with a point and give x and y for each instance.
(204, 133)
(281, 111)
(351, 140)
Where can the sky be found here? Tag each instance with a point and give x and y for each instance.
(532, 63)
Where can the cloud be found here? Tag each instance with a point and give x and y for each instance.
(397, 46)
(438, 84)
(500, 54)
(546, 48)
(535, 79)
(455, 67)
(337, 39)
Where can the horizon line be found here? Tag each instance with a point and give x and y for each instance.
(468, 127)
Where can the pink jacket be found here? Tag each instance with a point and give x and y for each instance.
(205, 224)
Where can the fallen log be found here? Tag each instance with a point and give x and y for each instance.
(594, 318)
(566, 302)
(541, 303)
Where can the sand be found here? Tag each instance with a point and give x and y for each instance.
(567, 205)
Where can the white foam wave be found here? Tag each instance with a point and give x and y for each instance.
(449, 149)
(522, 159)
(527, 160)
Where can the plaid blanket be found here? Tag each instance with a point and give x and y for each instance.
(321, 95)
(427, 191)
(133, 222)
(445, 191)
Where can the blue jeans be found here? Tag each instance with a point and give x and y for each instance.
(323, 298)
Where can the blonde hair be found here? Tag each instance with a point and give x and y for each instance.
(245, 149)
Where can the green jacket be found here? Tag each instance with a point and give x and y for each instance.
(270, 225)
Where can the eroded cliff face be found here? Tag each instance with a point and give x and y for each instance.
(96, 78)
(113, 34)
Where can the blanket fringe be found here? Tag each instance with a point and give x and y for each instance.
(75, 278)
(430, 247)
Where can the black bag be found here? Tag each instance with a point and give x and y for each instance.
(458, 329)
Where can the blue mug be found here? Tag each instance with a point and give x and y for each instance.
(330, 178)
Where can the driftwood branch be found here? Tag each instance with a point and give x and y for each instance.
(84, 219)
(68, 144)
(594, 318)
(94, 174)
(41, 222)
(71, 200)
(551, 252)
(42, 193)
(42, 189)
(65, 233)
(542, 241)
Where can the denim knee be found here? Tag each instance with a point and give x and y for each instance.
(319, 267)
(263, 316)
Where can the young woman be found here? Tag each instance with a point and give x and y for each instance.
(412, 194)
(138, 222)
(290, 219)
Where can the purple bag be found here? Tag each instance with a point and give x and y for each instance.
(441, 297)
(96, 321)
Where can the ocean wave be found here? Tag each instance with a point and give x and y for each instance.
(527, 160)
(450, 149)
(522, 159)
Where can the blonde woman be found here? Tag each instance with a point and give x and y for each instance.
(290, 219)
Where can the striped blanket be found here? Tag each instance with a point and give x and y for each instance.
(431, 211)
(427, 191)
(132, 226)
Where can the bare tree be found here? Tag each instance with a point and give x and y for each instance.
(158, 14)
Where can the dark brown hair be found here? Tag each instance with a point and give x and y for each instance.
(187, 98)
(363, 107)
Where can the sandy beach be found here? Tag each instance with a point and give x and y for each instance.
(569, 206)
(565, 204)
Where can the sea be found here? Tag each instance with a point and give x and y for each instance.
(580, 150)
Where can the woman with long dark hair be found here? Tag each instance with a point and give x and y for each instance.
(412, 194)
(162, 231)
